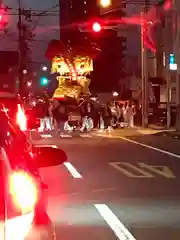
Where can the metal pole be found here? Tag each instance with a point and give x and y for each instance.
(168, 87)
(20, 47)
(144, 76)
(177, 57)
(167, 75)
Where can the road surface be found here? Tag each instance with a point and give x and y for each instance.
(115, 186)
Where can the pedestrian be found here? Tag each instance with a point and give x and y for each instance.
(130, 115)
(87, 122)
(51, 121)
(41, 111)
(125, 117)
(106, 114)
(60, 116)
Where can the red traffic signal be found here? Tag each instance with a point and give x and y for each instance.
(3, 23)
(96, 27)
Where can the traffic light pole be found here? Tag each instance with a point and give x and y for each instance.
(167, 75)
(144, 76)
(177, 57)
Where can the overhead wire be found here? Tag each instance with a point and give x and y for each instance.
(50, 12)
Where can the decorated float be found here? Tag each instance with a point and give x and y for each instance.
(73, 67)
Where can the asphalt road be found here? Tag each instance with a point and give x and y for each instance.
(118, 186)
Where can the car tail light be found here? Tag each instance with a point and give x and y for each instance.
(38, 122)
(21, 118)
(24, 191)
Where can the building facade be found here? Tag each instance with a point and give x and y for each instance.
(134, 8)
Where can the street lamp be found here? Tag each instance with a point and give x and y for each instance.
(44, 68)
(115, 94)
(29, 84)
(25, 71)
(105, 3)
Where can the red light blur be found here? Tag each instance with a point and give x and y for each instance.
(24, 191)
(21, 118)
(96, 27)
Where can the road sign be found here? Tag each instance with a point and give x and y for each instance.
(143, 170)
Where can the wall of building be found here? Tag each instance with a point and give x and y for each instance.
(134, 39)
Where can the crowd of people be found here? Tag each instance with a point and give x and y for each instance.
(88, 115)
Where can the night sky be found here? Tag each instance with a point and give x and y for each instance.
(47, 27)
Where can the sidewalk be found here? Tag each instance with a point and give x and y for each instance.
(136, 131)
(155, 129)
(172, 132)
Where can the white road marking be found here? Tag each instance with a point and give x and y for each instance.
(45, 145)
(150, 147)
(72, 170)
(46, 135)
(65, 135)
(115, 224)
(103, 190)
(85, 135)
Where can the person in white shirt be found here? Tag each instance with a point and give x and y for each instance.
(130, 115)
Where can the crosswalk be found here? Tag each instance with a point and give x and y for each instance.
(83, 135)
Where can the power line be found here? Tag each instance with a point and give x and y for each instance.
(33, 15)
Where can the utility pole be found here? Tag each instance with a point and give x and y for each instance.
(20, 36)
(144, 74)
(177, 58)
(22, 43)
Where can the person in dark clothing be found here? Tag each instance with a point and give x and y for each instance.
(41, 111)
(96, 115)
(106, 115)
(60, 116)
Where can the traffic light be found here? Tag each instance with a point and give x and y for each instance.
(96, 27)
(172, 63)
(171, 59)
(3, 23)
(44, 81)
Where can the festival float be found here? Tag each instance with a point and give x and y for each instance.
(73, 67)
